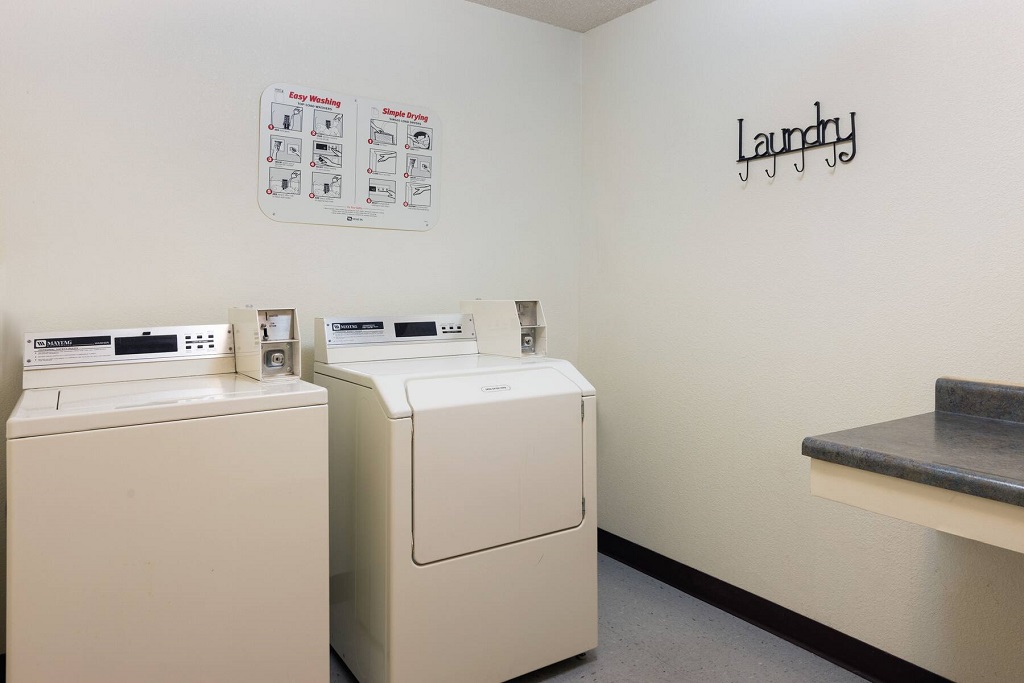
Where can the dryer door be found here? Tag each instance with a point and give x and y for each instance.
(497, 458)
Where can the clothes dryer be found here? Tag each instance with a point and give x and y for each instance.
(167, 518)
(463, 490)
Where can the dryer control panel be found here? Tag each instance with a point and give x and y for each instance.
(387, 337)
(397, 329)
(108, 347)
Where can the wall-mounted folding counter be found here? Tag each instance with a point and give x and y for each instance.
(959, 469)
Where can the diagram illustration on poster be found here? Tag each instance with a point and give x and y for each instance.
(382, 132)
(327, 185)
(284, 181)
(381, 191)
(334, 159)
(286, 117)
(417, 166)
(420, 137)
(327, 124)
(417, 194)
(326, 155)
(285, 149)
(383, 161)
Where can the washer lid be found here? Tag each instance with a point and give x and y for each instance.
(120, 404)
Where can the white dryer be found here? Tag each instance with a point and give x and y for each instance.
(463, 488)
(167, 518)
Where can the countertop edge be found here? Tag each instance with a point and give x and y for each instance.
(890, 464)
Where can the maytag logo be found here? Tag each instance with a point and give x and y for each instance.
(496, 387)
(347, 327)
(69, 342)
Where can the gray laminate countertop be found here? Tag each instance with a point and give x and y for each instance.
(973, 443)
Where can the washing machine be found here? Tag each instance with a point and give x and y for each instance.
(166, 517)
(462, 514)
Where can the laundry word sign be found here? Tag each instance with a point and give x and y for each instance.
(821, 133)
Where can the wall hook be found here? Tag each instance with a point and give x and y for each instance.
(772, 174)
(803, 162)
(748, 172)
(832, 164)
(847, 157)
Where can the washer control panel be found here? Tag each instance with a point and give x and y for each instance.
(397, 329)
(74, 349)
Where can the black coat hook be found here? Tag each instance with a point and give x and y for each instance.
(832, 164)
(847, 157)
(772, 174)
(748, 172)
(803, 163)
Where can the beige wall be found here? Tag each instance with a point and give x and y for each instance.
(128, 179)
(722, 322)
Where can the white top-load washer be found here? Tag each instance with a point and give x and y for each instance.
(463, 488)
(167, 518)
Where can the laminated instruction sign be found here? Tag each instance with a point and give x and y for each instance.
(334, 159)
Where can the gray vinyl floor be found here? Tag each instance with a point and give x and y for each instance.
(652, 633)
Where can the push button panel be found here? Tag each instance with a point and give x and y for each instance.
(203, 341)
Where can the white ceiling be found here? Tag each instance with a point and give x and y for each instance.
(577, 15)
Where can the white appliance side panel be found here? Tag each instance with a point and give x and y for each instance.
(497, 458)
(360, 439)
(187, 551)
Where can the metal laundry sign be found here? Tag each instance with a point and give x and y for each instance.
(821, 133)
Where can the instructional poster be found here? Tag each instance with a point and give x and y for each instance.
(335, 159)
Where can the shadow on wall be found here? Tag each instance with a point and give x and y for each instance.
(974, 583)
